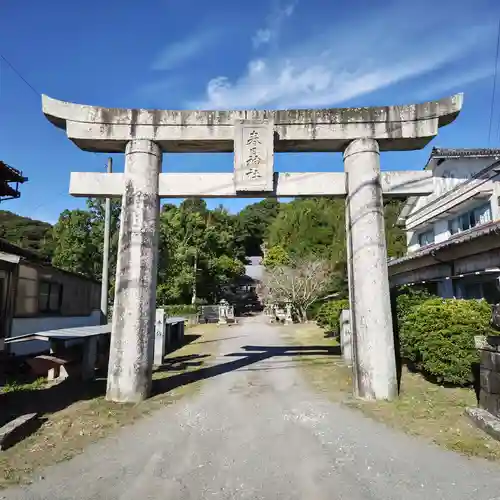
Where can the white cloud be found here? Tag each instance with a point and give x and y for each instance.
(273, 24)
(181, 51)
(344, 63)
(261, 37)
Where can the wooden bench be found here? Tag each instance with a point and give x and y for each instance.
(60, 359)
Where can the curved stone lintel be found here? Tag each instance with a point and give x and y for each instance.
(405, 127)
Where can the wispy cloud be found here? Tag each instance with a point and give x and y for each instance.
(343, 63)
(160, 86)
(181, 51)
(274, 23)
(456, 81)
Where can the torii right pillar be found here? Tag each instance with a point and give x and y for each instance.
(371, 318)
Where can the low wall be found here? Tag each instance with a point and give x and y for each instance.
(489, 396)
(23, 326)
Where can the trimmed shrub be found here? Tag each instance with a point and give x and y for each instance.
(407, 299)
(438, 336)
(179, 309)
(328, 314)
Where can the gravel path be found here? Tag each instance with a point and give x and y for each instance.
(259, 432)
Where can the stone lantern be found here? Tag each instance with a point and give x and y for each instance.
(223, 309)
(288, 313)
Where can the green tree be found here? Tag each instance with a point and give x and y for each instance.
(276, 256)
(79, 240)
(252, 224)
(198, 253)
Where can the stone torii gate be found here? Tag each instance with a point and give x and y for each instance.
(254, 136)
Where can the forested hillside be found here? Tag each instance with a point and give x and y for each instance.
(27, 233)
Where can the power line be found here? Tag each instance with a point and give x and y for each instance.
(494, 84)
(18, 73)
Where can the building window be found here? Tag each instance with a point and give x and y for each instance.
(49, 297)
(470, 219)
(426, 238)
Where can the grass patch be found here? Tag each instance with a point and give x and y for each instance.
(15, 386)
(423, 409)
(77, 414)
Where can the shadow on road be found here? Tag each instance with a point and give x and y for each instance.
(52, 399)
(251, 354)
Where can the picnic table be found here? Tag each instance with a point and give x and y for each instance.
(59, 359)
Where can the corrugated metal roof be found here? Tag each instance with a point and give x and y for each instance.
(464, 237)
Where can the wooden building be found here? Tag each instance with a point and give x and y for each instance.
(35, 296)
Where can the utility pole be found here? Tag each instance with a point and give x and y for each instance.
(105, 254)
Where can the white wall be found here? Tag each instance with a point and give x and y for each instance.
(447, 176)
(450, 174)
(22, 326)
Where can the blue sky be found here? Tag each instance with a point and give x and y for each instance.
(227, 54)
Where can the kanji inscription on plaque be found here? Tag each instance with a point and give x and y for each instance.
(253, 155)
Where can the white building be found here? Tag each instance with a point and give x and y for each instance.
(453, 235)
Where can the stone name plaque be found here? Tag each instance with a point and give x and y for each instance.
(253, 155)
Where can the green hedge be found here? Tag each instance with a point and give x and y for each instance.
(438, 336)
(328, 314)
(409, 297)
(179, 309)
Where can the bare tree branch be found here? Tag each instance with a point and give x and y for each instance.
(302, 283)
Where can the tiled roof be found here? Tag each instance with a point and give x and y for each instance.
(464, 152)
(457, 239)
(9, 174)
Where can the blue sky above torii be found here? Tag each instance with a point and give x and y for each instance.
(223, 55)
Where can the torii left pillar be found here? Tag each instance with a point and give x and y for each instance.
(132, 342)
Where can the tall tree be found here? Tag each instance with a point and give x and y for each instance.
(198, 252)
(253, 222)
(79, 239)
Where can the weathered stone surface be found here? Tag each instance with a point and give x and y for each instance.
(108, 130)
(480, 341)
(132, 339)
(490, 402)
(493, 341)
(346, 336)
(490, 360)
(253, 155)
(221, 185)
(490, 381)
(17, 429)
(485, 421)
(375, 355)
